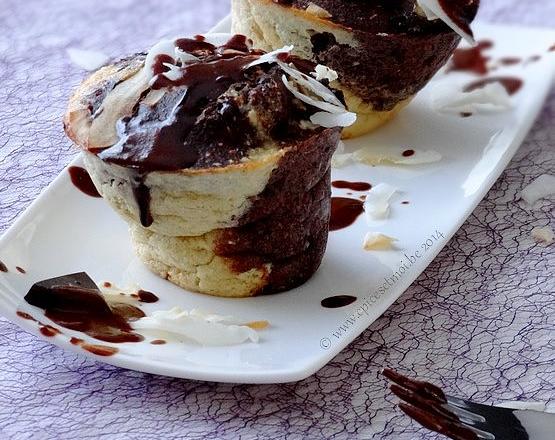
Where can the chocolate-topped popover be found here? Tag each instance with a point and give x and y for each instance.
(384, 51)
(218, 156)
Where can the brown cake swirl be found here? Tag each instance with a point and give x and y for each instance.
(212, 161)
(384, 51)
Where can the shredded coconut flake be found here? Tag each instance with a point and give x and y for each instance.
(342, 160)
(198, 326)
(488, 99)
(114, 294)
(544, 236)
(317, 11)
(322, 72)
(376, 241)
(540, 188)
(329, 120)
(420, 157)
(376, 205)
(316, 87)
(433, 11)
(87, 59)
(302, 86)
(271, 57)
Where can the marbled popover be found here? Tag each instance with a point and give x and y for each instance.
(384, 51)
(204, 147)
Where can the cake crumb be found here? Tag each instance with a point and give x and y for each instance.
(258, 325)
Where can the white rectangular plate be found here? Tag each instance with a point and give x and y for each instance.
(65, 231)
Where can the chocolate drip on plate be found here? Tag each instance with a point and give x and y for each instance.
(471, 59)
(344, 212)
(337, 301)
(146, 296)
(82, 181)
(355, 186)
(3, 267)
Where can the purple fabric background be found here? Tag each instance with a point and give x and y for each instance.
(479, 320)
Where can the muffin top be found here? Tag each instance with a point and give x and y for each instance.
(202, 102)
(387, 16)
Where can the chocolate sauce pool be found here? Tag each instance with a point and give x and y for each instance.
(75, 302)
(344, 212)
(337, 301)
(355, 186)
(82, 181)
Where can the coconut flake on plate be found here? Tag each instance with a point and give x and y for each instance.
(544, 235)
(492, 98)
(114, 294)
(87, 59)
(376, 241)
(432, 10)
(370, 156)
(542, 187)
(340, 158)
(376, 204)
(198, 326)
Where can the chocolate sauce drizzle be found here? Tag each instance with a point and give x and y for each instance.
(355, 186)
(148, 142)
(344, 212)
(20, 270)
(471, 59)
(75, 302)
(82, 181)
(198, 122)
(511, 84)
(3, 267)
(337, 301)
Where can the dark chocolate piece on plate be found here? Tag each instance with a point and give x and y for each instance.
(73, 293)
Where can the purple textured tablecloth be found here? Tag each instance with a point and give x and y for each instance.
(479, 321)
